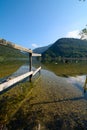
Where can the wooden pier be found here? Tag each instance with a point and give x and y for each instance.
(29, 74)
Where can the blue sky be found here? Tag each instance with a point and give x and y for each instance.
(34, 23)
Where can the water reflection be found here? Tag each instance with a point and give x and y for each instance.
(23, 69)
(80, 82)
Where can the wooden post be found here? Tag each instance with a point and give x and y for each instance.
(30, 65)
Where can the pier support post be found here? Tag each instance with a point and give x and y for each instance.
(30, 65)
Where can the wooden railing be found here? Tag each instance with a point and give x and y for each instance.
(29, 74)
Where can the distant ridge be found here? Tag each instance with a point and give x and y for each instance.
(41, 49)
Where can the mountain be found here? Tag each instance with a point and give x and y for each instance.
(66, 48)
(41, 49)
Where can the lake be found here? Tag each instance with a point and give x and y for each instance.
(57, 99)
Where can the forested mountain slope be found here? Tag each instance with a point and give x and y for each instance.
(66, 47)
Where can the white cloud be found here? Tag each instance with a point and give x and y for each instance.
(35, 45)
(73, 34)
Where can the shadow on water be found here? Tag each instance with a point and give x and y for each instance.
(59, 100)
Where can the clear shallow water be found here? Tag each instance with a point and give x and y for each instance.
(64, 96)
(78, 82)
(76, 85)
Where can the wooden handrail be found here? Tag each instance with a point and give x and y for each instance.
(31, 73)
(17, 79)
(13, 81)
(15, 46)
(35, 54)
(36, 71)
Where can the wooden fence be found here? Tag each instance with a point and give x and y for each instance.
(17, 79)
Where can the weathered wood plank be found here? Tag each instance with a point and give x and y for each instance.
(14, 81)
(35, 54)
(3, 42)
(36, 70)
(11, 45)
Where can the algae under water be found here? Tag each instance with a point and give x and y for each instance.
(55, 102)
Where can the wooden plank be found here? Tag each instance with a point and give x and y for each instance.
(14, 81)
(35, 54)
(11, 45)
(3, 42)
(36, 70)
